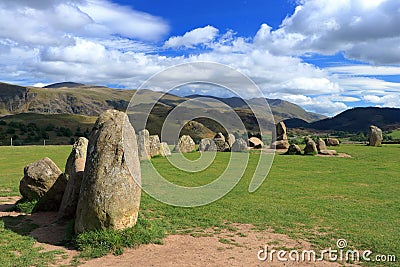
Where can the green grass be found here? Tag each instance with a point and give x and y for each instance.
(13, 160)
(312, 198)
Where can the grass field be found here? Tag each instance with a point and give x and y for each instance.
(312, 198)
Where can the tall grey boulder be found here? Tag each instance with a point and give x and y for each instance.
(143, 141)
(74, 169)
(321, 144)
(110, 191)
(280, 139)
(154, 142)
(207, 144)
(311, 147)
(164, 150)
(185, 144)
(375, 136)
(239, 145)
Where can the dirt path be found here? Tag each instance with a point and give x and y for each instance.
(210, 248)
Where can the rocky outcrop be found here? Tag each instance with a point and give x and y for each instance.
(185, 144)
(255, 142)
(110, 191)
(239, 145)
(207, 144)
(375, 136)
(144, 144)
(74, 169)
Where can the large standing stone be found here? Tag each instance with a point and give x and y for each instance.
(207, 144)
(74, 169)
(311, 147)
(110, 191)
(332, 142)
(321, 144)
(144, 145)
(38, 178)
(279, 138)
(164, 149)
(239, 145)
(51, 201)
(230, 140)
(185, 144)
(154, 142)
(375, 136)
(294, 150)
(255, 142)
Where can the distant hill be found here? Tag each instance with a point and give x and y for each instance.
(354, 120)
(64, 84)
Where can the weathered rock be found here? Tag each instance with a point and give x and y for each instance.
(321, 144)
(294, 150)
(230, 140)
(255, 142)
(74, 169)
(164, 149)
(332, 142)
(328, 152)
(375, 136)
(207, 144)
(38, 178)
(143, 144)
(281, 131)
(219, 136)
(154, 142)
(281, 144)
(221, 145)
(185, 144)
(311, 147)
(110, 191)
(239, 145)
(51, 201)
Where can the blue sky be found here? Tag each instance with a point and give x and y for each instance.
(325, 55)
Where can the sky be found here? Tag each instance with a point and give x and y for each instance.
(324, 55)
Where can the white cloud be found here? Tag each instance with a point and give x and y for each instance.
(359, 28)
(365, 70)
(388, 100)
(192, 38)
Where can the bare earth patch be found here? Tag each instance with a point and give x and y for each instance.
(212, 247)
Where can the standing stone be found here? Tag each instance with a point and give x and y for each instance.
(230, 140)
(110, 191)
(144, 145)
(38, 178)
(311, 147)
(239, 145)
(185, 144)
(255, 142)
(279, 138)
(74, 169)
(321, 144)
(332, 142)
(164, 150)
(220, 142)
(375, 136)
(154, 142)
(294, 150)
(51, 201)
(207, 144)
